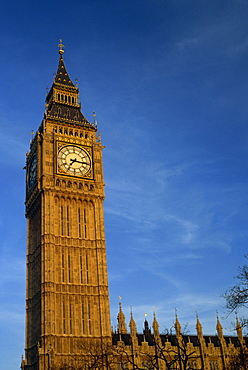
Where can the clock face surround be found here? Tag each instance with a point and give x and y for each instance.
(32, 173)
(74, 160)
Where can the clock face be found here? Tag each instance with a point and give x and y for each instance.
(74, 160)
(32, 172)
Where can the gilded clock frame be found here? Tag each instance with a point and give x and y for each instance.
(86, 148)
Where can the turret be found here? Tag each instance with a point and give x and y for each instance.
(177, 327)
(239, 331)
(155, 326)
(122, 328)
(219, 328)
(222, 342)
(203, 349)
(198, 327)
(147, 330)
(132, 325)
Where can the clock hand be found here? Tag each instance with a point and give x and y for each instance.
(72, 161)
(75, 160)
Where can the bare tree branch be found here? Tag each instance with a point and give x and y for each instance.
(237, 296)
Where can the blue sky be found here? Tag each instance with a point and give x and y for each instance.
(169, 83)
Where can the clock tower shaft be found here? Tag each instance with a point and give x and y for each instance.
(67, 299)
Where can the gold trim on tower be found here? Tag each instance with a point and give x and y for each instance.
(74, 160)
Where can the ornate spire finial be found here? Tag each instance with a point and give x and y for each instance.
(154, 311)
(61, 46)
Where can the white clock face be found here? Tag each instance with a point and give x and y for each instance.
(74, 160)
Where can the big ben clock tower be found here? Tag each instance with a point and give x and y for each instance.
(67, 299)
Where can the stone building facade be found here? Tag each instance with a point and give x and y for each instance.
(153, 350)
(67, 298)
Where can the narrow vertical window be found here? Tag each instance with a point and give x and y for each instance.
(62, 220)
(69, 268)
(89, 319)
(87, 269)
(71, 318)
(64, 317)
(68, 221)
(85, 223)
(81, 269)
(63, 268)
(83, 321)
(79, 223)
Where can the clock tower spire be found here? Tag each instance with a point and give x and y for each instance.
(62, 101)
(67, 299)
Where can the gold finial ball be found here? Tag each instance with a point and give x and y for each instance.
(61, 46)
